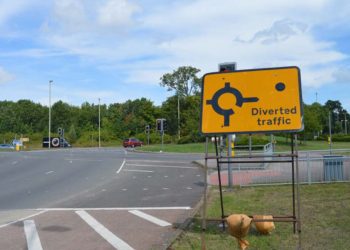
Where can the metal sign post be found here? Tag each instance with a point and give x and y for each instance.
(255, 101)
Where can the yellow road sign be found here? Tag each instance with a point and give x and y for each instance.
(249, 101)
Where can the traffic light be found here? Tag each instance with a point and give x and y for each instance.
(165, 125)
(159, 124)
(147, 128)
(60, 130)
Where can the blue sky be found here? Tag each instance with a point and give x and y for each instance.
(118, 49)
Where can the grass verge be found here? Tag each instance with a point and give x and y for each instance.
(325, 215)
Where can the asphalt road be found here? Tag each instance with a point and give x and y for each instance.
(59, 190)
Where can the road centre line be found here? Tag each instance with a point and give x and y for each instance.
(32, 236)
(121, 167)
(25, 218)
(138, 170)
(103, 231)
(150, 218)
(112, 209)
(154, 166)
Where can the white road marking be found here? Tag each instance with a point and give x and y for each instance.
(113, 209)
(138, 170)
(32, 236)
(165, 176)
(121, 167)
(150, 218)
(154, 166)
(77, 159)
(145, 189)
(124, 189)
(188, 188)
(116, 242)
(22, 219)
(165, 188)
(14, 162)
(179, 162)
(50, 172)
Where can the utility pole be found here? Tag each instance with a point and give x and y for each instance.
(50, 82)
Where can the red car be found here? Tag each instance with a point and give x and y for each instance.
(132, 142)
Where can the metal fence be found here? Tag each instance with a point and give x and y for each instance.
(314, 167)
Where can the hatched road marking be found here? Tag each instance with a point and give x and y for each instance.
(104, 232)
(150, 218)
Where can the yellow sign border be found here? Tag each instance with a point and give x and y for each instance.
(254, 131)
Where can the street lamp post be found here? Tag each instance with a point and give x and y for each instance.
(99, 124)
(50, 82)
(178, 113)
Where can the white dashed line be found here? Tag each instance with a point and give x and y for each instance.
(165, 176)
(150, 218)
(50, 172)
(103, 231)
(32, 236)
(165, 188)
(145, 189)
(124, 189)
(188, 188)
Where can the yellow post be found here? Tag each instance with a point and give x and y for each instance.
(17, 147)
(233, 151)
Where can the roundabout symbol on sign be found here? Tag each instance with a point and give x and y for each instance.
(240, 100)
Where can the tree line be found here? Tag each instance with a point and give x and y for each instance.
(129, 119)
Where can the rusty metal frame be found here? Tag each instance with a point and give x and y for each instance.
(295, 217)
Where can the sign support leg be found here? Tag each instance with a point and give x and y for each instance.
(204, 211)
(220, 185)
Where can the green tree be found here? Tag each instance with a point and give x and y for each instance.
(184, 82)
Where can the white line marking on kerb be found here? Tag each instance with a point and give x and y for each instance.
(32, 236)
(121, 167)
(116, 242)
(150, 218)
(22, 219)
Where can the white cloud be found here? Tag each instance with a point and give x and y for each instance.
(116, 13)
(5, 76)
